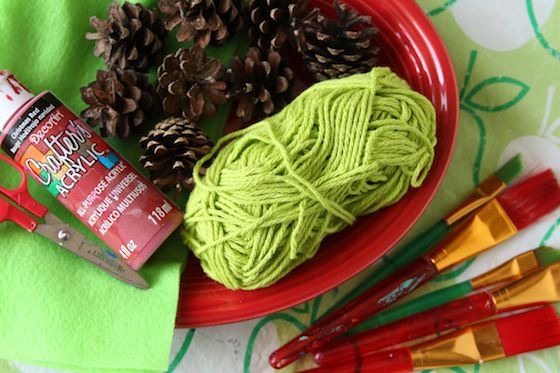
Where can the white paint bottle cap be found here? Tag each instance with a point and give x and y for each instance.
(13, 95)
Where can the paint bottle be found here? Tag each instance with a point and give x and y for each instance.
(57, 149)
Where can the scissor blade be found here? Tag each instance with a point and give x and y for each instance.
(114, 266)
(57, 231)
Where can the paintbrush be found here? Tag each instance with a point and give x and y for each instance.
(542, 286)
(512, 270)
(499, 219)
(488, 189)
(390, 263)
(532, 330)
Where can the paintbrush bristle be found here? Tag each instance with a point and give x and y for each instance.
(529, 331)
(547, 255)
(510, 169)
(531, 199)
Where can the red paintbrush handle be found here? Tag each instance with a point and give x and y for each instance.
(366, 305)
(291, 351)
(433, 321)
(391, 361)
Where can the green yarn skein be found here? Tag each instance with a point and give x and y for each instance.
(343, 148)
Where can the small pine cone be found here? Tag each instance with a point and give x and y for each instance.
(132, 37)
(118, 101)
(335, 49)
(172, 149)
(191, 84)
(270, 22)
(205, 21)
(261, 83)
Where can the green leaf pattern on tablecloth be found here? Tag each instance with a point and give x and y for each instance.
(508, 81)
(550, 232)
(283, 316)
(489, 86)
(538, 34)
(439, 9)
(182, 351)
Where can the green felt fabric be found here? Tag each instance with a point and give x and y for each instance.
(56, 309)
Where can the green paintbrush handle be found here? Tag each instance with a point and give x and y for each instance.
(419, 246)
(422, 303)
(391, 263)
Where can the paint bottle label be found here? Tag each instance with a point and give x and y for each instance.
(128, 213)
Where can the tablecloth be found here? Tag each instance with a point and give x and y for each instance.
(506, 55)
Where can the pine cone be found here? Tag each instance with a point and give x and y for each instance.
(270, 22)
(335, 49)
(172, 149)
(131, 38)
(262, 83)
(118, 101)
(191, 84)
(205, 21)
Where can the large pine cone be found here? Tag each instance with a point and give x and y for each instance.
(262, 83)
(205, 21)
(172, 149)
(118, 101)
(191, 84)
(131, 38)
(270, 22)
(336, 48)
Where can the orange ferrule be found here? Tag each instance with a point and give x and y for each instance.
(512, 270)
(540, 287)
(488, 227)
(472, 345)
(487, 190)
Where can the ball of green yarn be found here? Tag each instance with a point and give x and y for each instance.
(342, 148)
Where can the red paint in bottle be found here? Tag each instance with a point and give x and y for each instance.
(128, 213)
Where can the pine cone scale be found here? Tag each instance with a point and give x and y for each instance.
(136, 94)
(128, 106)
(268, 107)
(172, 104)
(167, 8)
(282, 84)
(172, 22)
(177, 88)
(196, 102)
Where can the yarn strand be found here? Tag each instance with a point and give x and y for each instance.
(343, 148)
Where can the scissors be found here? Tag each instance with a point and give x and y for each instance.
(58, 231)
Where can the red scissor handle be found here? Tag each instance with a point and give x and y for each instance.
(21, 197)
(12, 213)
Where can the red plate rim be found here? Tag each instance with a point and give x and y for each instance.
(404, 30)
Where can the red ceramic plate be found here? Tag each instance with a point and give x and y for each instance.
(411, 47)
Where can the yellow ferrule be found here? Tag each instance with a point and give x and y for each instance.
(482, 231)
(487, 190)
(472, 345)
(512, 270)
(540, 287)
